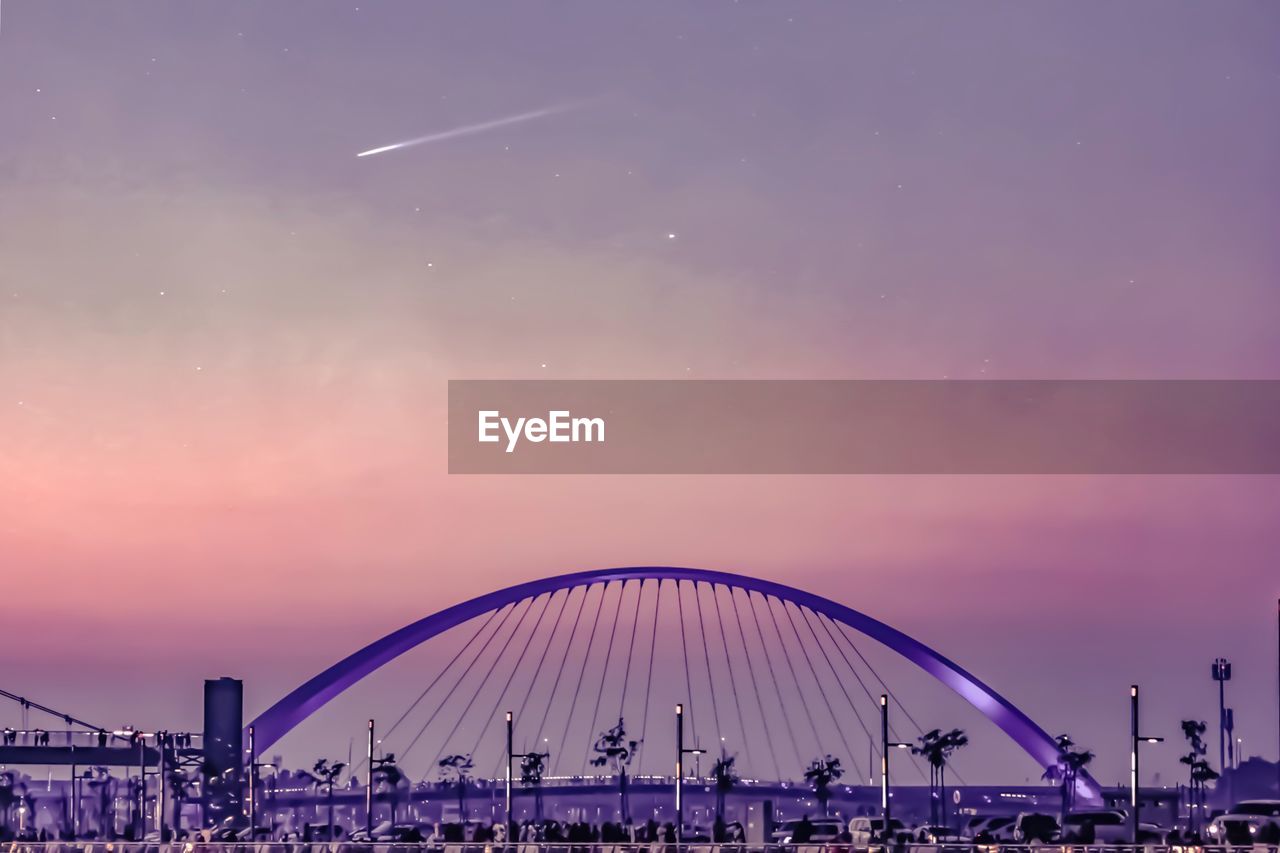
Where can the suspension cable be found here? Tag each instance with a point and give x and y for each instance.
(733, 685)
(755, 687)
(507, 611)
(604, 676)
(577, 687)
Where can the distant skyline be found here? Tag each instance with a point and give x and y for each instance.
(225, 338)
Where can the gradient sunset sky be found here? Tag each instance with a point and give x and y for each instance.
(225, 339)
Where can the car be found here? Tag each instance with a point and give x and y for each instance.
(864, 831)
(1036, 828)
(1102, 826)
(991, 830)
(825, 831)
(939, 836)
(1247, 822)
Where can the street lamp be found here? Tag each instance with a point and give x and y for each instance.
(681, 752)
(368, 787)
(510, 740)
(885, 746)
(1135, 802)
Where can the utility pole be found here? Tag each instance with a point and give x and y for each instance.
(681, 752)
(510, 746)
(1135, 800)
(679, 769)
(1222, 674)
(885, 803)
(368, 787)
(162, 743)
(253, 787)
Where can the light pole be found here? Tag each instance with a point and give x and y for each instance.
(1135, 802)
(510, 740)
(885, 746)
(681, 752)
(368, 786)
(253, 786)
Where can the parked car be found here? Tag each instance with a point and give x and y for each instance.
(864, 831)
(940, 836)
(992, 830)
(1102, 826)
(826, 830)
(1036, 828)
(1247, 822)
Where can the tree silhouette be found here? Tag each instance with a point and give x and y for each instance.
(457, 769)
(324, 775)
(532, 766)
(613, 749)
(1198, 770)
(725, 778)
(1067, 770)
(937, 747)
(820, 774)
(392, 778)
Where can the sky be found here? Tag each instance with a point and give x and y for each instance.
(225, 338)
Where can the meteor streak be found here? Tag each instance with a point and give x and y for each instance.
(469, 129)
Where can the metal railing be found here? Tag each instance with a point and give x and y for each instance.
(623, 847)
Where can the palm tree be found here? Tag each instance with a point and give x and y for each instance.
(1067, 770)
(821, 773)
(725, 778)
(532, 766)
(613, 748)
(325, 775)
(459, 768)
(937, 747)
(1199, 771)
(392, 778)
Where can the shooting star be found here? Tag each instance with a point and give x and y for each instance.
(472, 128)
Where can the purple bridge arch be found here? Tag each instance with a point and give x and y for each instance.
(288, 712)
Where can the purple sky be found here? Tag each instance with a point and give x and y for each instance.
(224, 338)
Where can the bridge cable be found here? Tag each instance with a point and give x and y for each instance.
(843, 634)
(528, 644)
(506, 614)
(822, 690)
(688, 682)
(755, 687)
(893, 697)
(733, 685)
(551, 697)
(26, 703)
(893, 730)
(773, 678)
(586, 654)
(648, 683)
(485, 680)
(533, 682)
(631, 649)
(706, 656)
(604, 676)
(804, 703)
(804, 612)
(434, 681)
